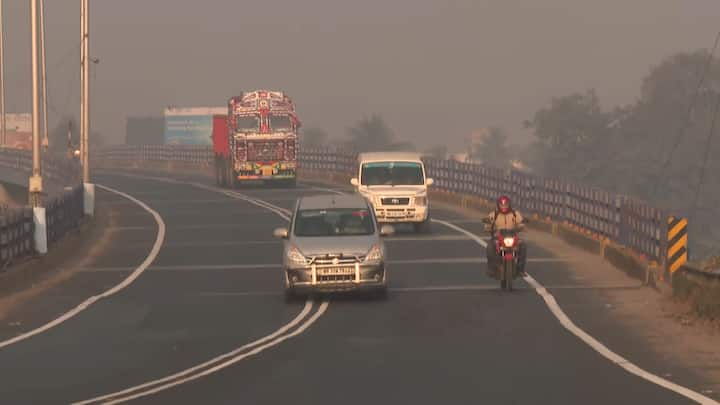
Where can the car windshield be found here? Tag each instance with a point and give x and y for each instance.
(392, 173)
(280, 123)
(247, 123)
(334, 222)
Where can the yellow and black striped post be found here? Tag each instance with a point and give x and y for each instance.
(677, 238)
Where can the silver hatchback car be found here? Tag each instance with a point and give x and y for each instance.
(333, 244)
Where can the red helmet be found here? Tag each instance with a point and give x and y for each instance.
(503, 204)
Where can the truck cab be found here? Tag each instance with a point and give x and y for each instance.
(397, 186)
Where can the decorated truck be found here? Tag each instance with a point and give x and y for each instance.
(257, 139)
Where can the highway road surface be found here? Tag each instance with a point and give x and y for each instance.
(193, 313)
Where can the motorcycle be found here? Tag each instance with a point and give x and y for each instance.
(507, 249)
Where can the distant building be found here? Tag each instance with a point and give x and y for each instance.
(144, 130)
(190, 125)
(18, 129)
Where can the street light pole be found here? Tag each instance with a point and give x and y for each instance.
(81, 127)
(40, 235)
(88, 187)
(3, 129)
(36, 179)
(45, 141)
(86, 90)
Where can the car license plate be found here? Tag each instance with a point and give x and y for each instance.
(395, 214)
(334, 271)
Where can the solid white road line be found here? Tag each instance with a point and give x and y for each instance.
(438, 288)
(227, 359)
(212, 362)
(265, 266)
(596, 345)
(321, 310)
(126, 282)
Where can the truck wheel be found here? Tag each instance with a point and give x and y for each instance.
(231, 181)
(218, 172)
(223, 174)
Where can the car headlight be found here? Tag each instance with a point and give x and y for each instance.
(509, 242)
(422, 201)
(374, 255)
(377, 200)
(295, 257)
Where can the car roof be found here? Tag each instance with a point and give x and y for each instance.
(389, 156)
(332, 201)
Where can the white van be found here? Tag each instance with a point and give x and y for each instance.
(396, 185)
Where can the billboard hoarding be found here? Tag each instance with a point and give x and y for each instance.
(190, 126)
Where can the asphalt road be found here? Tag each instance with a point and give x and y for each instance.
(446, 334)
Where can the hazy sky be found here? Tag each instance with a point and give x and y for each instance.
(434, 69)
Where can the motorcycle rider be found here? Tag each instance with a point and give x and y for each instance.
(505, 217)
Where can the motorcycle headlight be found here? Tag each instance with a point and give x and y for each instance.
(295, 257)
(422, 201)
(509, 242)
(374, 255)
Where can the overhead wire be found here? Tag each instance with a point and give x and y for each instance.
(703, 167)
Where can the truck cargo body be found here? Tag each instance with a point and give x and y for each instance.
(257, 139)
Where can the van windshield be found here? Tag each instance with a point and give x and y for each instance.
(334, 222)
(392, 174)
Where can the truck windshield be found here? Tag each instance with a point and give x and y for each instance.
(247, 123)
(392, 174)
(334, 222)
(280, 123)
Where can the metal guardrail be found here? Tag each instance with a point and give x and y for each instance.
(64, 210)
(627, 221)
(64, 214)
(174, 153)
(16, 234)
(54, 169)
(616, 217)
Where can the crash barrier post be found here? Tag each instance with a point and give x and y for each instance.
(677, 241)
(16, 234)
(25, 231)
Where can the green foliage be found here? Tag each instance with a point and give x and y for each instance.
(314, 138)
(373, 134)
(651, 149)
(437, 152)
(493, 149)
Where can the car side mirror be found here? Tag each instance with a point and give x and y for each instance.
(429, 182)
(387, 230)
(354, 181)
(280, 233)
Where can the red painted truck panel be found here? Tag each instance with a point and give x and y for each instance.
(220, 136)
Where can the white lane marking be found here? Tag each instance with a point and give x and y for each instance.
(283, 213)
(437, 288)
(327, 190)
(433, 238)
(591, 341)
(295, 321)
(321, 310)
(126, 282)
(264, 266)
